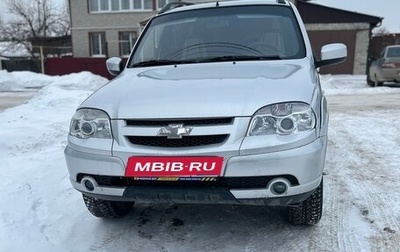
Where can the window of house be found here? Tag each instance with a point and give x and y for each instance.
(123, 5)
(104, 5)
(142, 4)
(115, 5)
(97, 44)
(94, 5)
(126, 42)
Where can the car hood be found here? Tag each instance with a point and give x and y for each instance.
(205, 90)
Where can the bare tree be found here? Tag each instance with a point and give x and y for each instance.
(382, 30)
(34, 20)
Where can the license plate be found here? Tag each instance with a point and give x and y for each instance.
(174, 166)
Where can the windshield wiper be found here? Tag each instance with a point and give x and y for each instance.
(159, 63)
(213, 59)
(242, 58)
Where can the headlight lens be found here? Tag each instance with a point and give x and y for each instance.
(90, 123)
(283, 119)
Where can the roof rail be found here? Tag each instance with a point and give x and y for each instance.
(173, 5)
(281, 1)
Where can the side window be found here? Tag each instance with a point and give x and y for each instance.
(97, 42)
(150, 49)
(126, 42)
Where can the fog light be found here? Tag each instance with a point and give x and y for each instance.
(279, 187)
(89, 185)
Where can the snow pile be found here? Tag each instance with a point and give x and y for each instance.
(23, 81)
(47, 112)
(26, 81)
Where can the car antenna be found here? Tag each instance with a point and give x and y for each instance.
(217, 4)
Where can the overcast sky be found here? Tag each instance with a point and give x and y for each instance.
(388, 9)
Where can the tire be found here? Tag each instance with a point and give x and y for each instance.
(308, 212)
(107, 209)
(369, 81)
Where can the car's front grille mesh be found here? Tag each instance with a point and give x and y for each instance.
(185, 141)
(224, 182)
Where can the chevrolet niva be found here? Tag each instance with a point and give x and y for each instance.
(218, 103)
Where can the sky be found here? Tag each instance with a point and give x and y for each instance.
(388, 9)
(40, 210)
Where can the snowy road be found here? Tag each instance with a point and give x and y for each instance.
(39, 210)
(363, 102)
(12, 99)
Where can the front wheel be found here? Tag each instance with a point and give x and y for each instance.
(107, 209)
(308, 212)
(370, 82)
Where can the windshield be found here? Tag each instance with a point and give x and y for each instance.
(220, 34)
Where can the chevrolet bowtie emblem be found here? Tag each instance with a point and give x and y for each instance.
(175, 131)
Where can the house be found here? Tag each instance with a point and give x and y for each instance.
(329, 25)
(107, 28)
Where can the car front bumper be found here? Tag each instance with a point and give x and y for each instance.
(304, 163)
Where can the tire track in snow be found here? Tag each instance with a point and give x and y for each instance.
(338, 198)
(370, 180)
(383, 218)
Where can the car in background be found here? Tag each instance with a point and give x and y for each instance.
(386, 68)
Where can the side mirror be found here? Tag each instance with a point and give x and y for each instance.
(332, 54)
(114, 66)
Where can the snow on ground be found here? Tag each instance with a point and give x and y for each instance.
(354, 85)
(39, 210)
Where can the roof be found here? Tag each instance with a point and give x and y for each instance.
(315, 13)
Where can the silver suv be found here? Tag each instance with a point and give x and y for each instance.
(219, 103)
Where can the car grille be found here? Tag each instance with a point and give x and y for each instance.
(224, 182)
(185, 141)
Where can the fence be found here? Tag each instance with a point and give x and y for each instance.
(62, 66)
(21, 64)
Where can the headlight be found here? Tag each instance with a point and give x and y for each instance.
(282, 118)
(90, 123)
